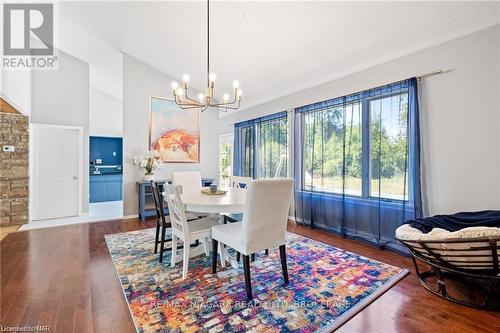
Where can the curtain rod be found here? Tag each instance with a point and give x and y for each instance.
(436, 72)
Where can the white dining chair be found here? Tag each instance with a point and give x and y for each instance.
(239, 182)
(199, 229)
(190, 181)
(263, 226)
(236, 182)
(162, 221)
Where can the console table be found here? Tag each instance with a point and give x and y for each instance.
(146, 204)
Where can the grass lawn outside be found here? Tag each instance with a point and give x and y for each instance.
(391, 188)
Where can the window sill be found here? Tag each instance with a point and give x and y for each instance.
(366, 201)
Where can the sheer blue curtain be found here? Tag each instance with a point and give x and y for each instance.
(357, 166)
(272, 152)
(244, 149)
(260, 147)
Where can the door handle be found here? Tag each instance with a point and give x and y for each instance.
(75, 177)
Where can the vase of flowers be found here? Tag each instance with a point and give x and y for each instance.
(149, 162)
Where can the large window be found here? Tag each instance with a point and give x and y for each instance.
(273, 148)
(388, 144)
(357, 162)
(357, 147)
(262, 147)
(332, 143)
(248, 148)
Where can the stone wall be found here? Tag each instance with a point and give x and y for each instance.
(14, 179)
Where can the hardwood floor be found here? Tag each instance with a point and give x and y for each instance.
(63, 277)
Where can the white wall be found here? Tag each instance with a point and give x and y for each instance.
(61, 97)
(15, 85)
(106, 77)
(140, 82)
(460, 117)
(106, 114)
(105, 70)
(105, 61)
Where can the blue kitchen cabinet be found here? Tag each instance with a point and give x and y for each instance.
(97, 189)
(105, 188)
(113, 187)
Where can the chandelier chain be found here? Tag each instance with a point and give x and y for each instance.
(206, 100)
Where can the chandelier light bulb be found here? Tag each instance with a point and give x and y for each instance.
(185, 78)
(239, 92)
(236, 84)
(212, 77)
(201, 97)
(174, 85)
(180, 92)
(226, 97)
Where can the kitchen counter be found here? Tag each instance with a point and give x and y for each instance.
(106, 173)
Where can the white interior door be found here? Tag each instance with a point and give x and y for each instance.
(56, 171)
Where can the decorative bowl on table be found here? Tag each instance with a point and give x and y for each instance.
(207, 191)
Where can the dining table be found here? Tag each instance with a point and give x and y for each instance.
(215, 205)
(232, 201)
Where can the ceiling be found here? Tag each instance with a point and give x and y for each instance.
(275, 48)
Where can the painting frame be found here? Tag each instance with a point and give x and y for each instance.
(151, 130)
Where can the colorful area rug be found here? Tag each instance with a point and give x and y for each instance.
(327, 287)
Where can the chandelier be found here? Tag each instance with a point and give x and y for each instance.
(206, 100)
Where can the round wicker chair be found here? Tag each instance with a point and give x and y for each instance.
(474, 261)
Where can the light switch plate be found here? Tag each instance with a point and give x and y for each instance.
(8, 149)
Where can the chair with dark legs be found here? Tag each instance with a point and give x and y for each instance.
(162, 222)
(263, 226)
(238, 182)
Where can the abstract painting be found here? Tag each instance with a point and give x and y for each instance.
(173, 132)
